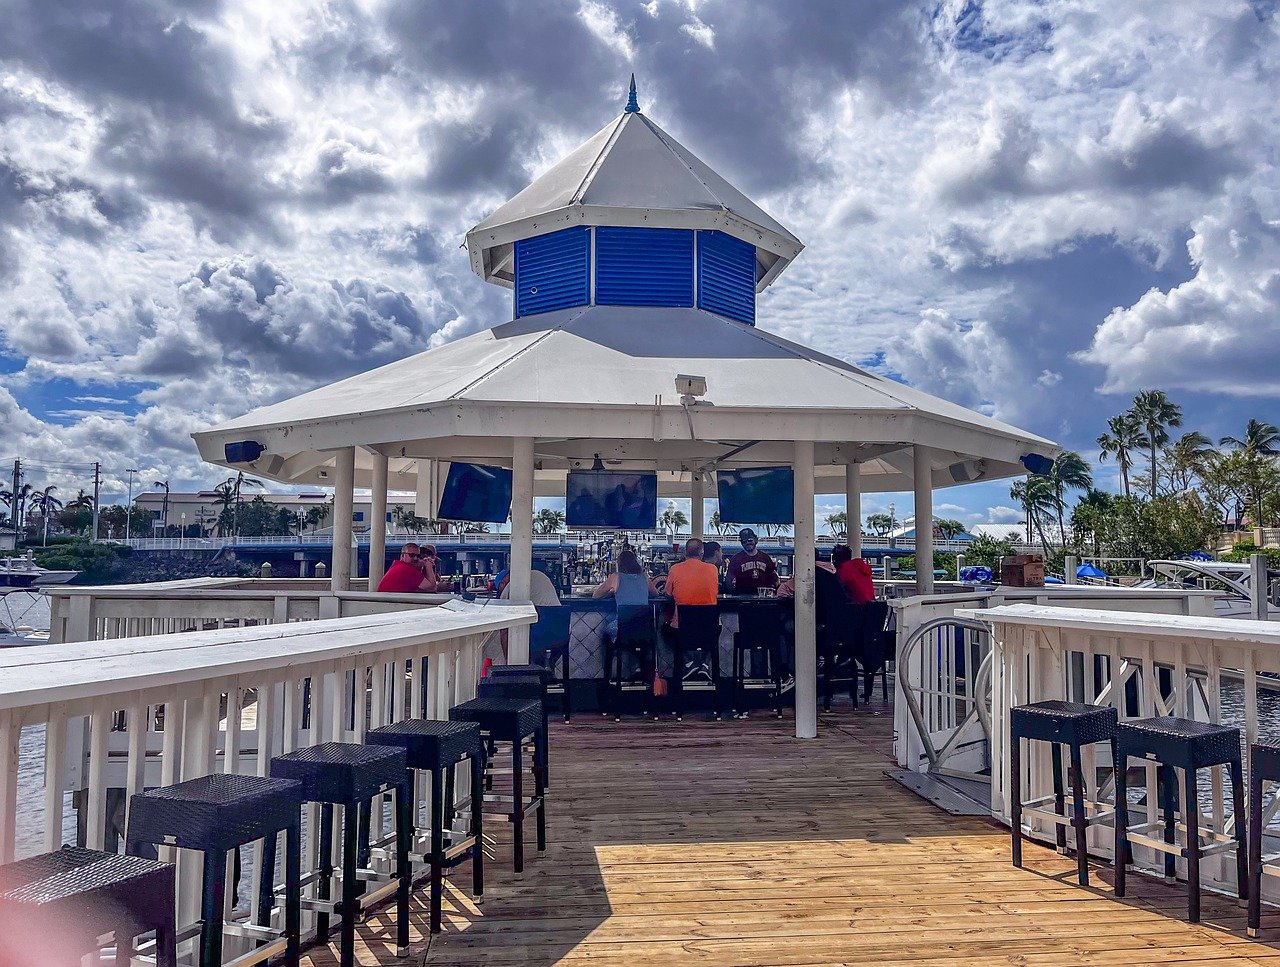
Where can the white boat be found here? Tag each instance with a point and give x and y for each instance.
(24, 572)
(1235, 579)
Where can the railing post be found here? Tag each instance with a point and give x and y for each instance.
(1258, 585)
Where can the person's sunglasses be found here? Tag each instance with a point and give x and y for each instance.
(413, 555)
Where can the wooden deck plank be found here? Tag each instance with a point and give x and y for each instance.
(733, 844)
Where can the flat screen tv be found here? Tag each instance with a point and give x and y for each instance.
(474, 491)
(611, 498)
(756, 495)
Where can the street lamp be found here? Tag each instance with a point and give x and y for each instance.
(182, 534)
(128, 507)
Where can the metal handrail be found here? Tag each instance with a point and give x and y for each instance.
(981, 685)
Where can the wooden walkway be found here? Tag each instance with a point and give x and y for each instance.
(734, 843)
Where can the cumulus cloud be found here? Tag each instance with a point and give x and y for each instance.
(204, 207)
(1219, 331)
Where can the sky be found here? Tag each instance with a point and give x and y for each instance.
(1031, 207)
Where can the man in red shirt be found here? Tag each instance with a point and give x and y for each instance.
(407, 574)
(751, 568)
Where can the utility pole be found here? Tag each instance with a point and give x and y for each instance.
(13, 505)
(97, 490)
(128, 508)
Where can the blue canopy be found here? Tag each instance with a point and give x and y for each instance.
(1088, 570)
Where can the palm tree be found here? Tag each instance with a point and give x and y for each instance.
(47, 504)
(838, 524)
(548, 521)
(672, 520)
(1156, 414)
(1187, 458)
(1069, 472)
(1124, 436)
(1253, 456)
(1259, 438)
(224, 496)
(716, 524)
(880, 524)
(950, 528)
(1036, 497)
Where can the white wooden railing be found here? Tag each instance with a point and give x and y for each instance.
(939, 661)
(1220, 670)
(202, 604)
(106, 719)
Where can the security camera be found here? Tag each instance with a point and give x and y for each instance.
(691, 385)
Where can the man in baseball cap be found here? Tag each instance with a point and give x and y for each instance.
(751, 568)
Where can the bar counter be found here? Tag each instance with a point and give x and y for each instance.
(588, 617)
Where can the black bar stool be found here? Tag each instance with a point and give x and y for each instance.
(513, 720)
(1075, 726)
(1264, 766)
(65, 900)
(1177, 743)
(636, 637)
(697, 640)
(759, 633)
(531, 683)
(214, 815)
(437, 748)
(350, 775)
(549, 641)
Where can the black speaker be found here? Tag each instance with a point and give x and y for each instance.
(245, 452)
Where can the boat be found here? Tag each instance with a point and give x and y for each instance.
(24, 572)
(1234, 579)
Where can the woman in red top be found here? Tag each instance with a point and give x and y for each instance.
(855, 574)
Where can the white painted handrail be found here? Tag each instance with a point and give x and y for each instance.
(943, 681)
(115, 717)
(1194, 666)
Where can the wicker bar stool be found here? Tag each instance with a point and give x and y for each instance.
(696, 640)
(437, 748)
(513, 720)
(1075, 726)
(65, 900)
(214, 815)
(759, 632)
(1177, 743)
(1264, 766)
(528, 676)
(350, 775)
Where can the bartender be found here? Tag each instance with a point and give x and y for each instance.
(751, 568)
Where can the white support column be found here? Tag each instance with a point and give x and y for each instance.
(521, 541)
(697, 506)
(424, 503)
(923, 473)
(343, 496)
(378, 531)
(853, 506)
(806, 620)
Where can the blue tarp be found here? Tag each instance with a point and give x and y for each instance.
(977, 573)
(1087, 570)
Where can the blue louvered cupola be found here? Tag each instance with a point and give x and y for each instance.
(632, 218)
(625, 266)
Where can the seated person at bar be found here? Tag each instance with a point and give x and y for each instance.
(628, 585)
(692, 581)
(409, 573)
(855, 574)
(751, 568)
(541, 591)
(713, 553)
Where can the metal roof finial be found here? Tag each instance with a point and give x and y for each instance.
(633, 107)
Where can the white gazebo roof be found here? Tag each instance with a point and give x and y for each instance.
(629, 173)
(601, 380)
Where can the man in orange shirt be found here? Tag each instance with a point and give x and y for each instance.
(693, 580)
